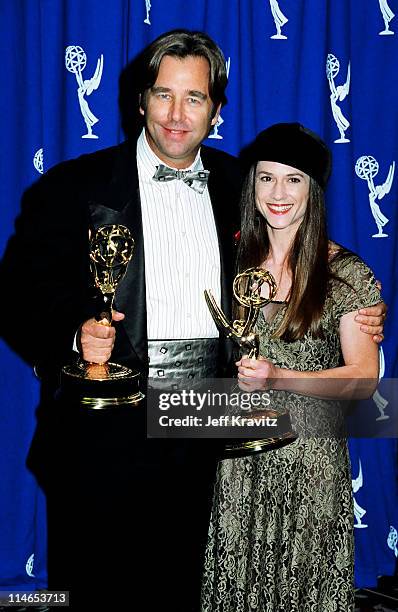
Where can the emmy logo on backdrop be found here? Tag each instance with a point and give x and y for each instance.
(392, 540)
(220, 120)
(388, 16)
(380, 401)
(366, 169)
(359, 512)
(38, 161)
(29, 566)
(338, 94)
(75, 61)
(148, 10)
(279, 18)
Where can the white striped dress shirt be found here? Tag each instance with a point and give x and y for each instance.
(182, 256)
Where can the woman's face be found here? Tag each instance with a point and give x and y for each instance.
(281, 194)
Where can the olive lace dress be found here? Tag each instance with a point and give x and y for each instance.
(281, 532)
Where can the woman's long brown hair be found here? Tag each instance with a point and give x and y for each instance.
(307, 259)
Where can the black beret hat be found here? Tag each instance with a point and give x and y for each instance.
(294, 145)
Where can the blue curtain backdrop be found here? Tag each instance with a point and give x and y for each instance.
(330, 64)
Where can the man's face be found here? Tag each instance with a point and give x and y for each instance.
(178, 110)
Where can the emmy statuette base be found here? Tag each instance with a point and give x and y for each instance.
(99, 387)
(284, 435)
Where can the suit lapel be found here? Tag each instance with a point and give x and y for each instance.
(118, 202)
(224, 204)
(224, 192)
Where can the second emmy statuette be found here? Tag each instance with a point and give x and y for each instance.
(107, 384)
(247, 290)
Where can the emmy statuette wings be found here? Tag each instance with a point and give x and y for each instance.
(111, 249)
(247, 291)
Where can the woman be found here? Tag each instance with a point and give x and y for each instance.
(281, 534)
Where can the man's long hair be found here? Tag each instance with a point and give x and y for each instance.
(307, 259)
(182, 44)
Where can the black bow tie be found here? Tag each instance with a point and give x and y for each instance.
(195, 180)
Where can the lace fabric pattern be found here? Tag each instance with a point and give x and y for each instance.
(281, 532)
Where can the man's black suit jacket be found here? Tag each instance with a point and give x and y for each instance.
(107, 486)
(46, 264)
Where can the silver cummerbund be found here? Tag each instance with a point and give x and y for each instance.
(184, 362)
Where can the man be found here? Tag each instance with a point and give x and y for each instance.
(183, 230)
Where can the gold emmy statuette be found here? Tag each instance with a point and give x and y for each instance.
(247, 290)
(107, 384)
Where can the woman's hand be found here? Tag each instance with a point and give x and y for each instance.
(256, 374)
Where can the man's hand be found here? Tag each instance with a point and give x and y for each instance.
(372, 321)
(97, 339)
